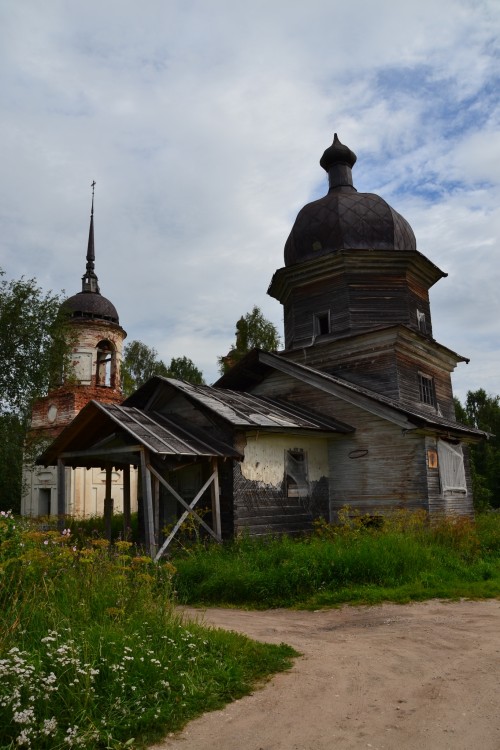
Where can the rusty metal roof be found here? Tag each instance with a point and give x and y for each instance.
(107, 431)
(247, 411)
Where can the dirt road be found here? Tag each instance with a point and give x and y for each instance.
(412, 677)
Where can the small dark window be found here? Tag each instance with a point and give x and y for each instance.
(322, 324)
(426, 386)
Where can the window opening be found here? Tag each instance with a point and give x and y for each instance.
(451, 467)
(105, 363)
(426, 387)
(321, 324)
(44, 494)
(297, 484)
(422, 325)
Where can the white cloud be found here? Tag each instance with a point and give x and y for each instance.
(203, 124)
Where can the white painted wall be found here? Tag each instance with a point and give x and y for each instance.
(265, 457)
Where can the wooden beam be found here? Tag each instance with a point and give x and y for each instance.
(156, 509)
(126, 502)
(108, 503)
(148, 504)
(189, 509)
(216, 499)
(89, 452)
(61, 491)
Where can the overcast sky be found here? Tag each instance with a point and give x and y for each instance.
(203, 121)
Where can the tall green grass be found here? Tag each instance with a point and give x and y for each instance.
(400, 560)
(92, 652)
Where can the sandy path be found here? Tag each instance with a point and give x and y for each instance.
(413, 677)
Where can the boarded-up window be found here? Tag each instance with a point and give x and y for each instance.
(451, 467)
(297, 484)
(82, 367)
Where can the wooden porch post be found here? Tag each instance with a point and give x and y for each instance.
(108, 503)
(61, 492)
(147, 497)
(126, 502)
(216, 499)
(156, 509)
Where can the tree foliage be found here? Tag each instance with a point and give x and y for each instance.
(34, 344)
(482, 411)
(183, 368)
(253, 330)
(141, 362)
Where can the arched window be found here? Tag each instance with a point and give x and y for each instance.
(106, 360)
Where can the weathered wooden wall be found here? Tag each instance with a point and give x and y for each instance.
(377, 468)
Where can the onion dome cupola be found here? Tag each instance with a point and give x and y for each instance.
(351, 264)
(344, 218)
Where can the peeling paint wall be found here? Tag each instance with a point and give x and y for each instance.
(265, 457)
(262, 503)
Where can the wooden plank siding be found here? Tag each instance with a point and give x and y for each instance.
(377, 468)
(388, 362)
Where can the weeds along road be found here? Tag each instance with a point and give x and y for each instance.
(391, 677)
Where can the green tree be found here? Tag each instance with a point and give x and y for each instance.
(253, 330)
(482, 411)
(183, 368)
(34, 344)
(141, 362)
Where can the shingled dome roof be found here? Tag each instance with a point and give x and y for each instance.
(345, 219)
(91, 305)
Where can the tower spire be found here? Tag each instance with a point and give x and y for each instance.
(89, 279)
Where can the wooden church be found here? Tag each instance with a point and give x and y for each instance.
(356, 410)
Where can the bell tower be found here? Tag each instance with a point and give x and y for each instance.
(93, 373)
(355, 294)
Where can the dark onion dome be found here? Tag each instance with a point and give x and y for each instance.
(91, 305)
(345, 219)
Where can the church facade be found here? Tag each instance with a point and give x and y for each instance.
(356, 410)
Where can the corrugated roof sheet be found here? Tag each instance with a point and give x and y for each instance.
(164, 436)
(246, 411)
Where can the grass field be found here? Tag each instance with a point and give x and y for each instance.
(403, 560)
(92, 652)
